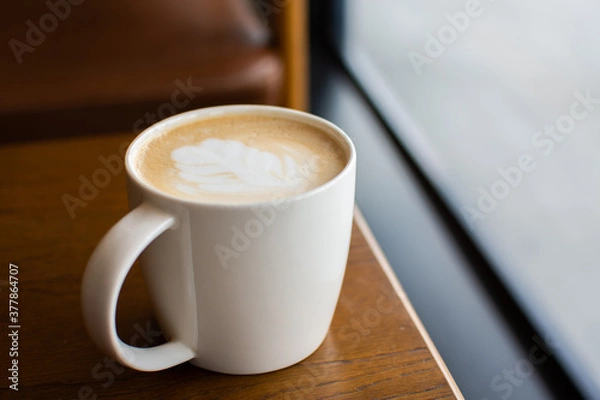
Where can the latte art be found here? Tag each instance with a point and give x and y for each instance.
(229, 166)
(240, 159)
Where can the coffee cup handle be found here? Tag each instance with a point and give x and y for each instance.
(102, 281)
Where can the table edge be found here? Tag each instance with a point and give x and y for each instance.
(361, 222)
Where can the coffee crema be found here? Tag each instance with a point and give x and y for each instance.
(240, 159)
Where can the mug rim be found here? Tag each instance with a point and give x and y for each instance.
(236, 109)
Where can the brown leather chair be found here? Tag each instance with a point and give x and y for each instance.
(73, 67)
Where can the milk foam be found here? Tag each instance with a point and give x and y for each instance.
(230, 166)
(240, 159)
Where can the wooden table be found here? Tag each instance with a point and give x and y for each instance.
(376, 347)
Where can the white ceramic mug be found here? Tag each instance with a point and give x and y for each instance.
(266, 308)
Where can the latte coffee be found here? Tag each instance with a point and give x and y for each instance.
(237, 159)
(241, 217)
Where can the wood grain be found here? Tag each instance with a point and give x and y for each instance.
(374, 349)
(295, 50)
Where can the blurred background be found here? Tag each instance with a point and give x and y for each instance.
(476, 125)
(97, 66)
